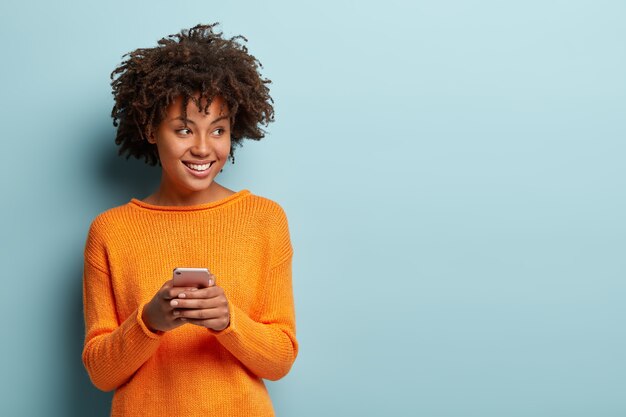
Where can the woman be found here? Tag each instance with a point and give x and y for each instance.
(188, 351)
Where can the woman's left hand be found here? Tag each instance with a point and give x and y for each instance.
(207, 307)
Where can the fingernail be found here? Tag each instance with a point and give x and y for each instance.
(174, 303)
(176, 312)
(182, 295)
(194, 289)
(211, 283)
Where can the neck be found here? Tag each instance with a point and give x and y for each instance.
(165, 196)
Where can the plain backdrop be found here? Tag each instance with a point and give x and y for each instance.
(453, 174)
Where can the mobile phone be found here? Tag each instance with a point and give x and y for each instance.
(191, 277)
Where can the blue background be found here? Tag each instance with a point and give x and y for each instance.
(453, 173)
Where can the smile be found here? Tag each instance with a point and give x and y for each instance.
(198, 168)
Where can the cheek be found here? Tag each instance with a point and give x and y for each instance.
(224, 149)
(169, 156)
(164, 154)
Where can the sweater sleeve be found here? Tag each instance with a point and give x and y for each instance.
(267, 344)
(112, 351)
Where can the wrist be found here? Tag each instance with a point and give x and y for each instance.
(146, 321)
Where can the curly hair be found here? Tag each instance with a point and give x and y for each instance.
(196, 64)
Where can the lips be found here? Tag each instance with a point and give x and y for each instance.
(199, 167)
(199, 171)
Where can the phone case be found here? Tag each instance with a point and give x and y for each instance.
(191, 277)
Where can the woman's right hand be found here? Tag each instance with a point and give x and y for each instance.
(158, 314)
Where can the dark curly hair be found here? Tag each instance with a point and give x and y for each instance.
(195, 61)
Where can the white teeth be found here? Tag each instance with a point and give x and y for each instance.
(202, 167)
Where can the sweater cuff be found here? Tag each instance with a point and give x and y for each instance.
(143, 326)
(241, 326)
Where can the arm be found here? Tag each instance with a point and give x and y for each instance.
(267, 345)
(265, 341)
(113, 351)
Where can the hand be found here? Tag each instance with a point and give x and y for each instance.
(158, 313)
(206, 307)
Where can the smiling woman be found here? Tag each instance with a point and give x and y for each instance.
(189, 351)
(192, 151)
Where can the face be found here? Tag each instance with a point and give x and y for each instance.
(192, 150)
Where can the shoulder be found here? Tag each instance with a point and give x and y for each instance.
(112, 217)
(104, 229)
(276, 225)
(267, 208)
(110, 223)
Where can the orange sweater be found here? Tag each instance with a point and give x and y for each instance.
(131, 251)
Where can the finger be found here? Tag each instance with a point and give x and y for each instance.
(164, 291)
(209, 292)
(185, 290)
(198, 303)
(175, 322)
(215, 324)
(176, 316)
(174, 292)
(202, 314)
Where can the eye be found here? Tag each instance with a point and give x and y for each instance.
(184, 131)
(219, 131)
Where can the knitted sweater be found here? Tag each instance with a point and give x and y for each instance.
(131, 251)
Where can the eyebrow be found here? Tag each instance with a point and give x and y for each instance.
(189, 121)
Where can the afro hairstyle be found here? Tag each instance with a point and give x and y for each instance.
(196, 64)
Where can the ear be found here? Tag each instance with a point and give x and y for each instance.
(151, 138)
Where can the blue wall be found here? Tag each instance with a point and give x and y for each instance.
(453, 173)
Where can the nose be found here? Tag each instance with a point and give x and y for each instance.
(201, 146)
